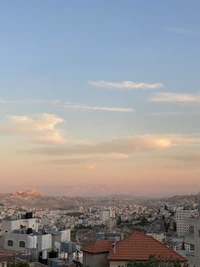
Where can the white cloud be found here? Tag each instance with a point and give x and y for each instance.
(66, 105)
(80, 106)
(173, 97)
(182, 31)
(31, 102)
(4, 101)
(41, 127)
(55, 102)
(128, 85)
(91, 166)
(125, 146)
(87, 159)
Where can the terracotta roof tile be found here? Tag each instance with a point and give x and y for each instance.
(139, 246)
(99, 246)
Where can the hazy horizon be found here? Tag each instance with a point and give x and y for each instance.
(90, 191)
(100, 98)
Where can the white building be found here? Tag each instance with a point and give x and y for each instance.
(182, 224)
(12, 223)
(16, 234)
(112, 214)
(192, 242)
(160, 237)
(104, 215)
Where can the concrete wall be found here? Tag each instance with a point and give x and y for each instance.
(16, 238)
(3, 264)
(95, 260)
(44, 241)
(9, 226)
(66, 235)
(55, 238)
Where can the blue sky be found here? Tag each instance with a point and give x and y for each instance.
(63, 50)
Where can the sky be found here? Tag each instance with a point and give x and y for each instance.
(100, 97)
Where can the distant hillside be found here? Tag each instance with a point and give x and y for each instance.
(31, 198)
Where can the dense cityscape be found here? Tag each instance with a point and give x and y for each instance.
(99, 133)
(173, 221)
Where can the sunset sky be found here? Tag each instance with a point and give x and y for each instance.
(100, 97)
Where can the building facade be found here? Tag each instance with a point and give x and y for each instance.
(183, 225)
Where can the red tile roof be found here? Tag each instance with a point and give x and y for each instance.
(99, 246)
(5, 255)
(139, 247)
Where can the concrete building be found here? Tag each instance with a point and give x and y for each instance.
(192, 242)
(182, 225)
(160, 237)
(17, 231)
(21, 222)
(104, 215)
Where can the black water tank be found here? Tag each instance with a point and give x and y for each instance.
(29, 215)
(29, 231)
(53, 254)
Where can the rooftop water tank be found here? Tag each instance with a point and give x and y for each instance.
(30, 242)
(44, 254)
(35, 241)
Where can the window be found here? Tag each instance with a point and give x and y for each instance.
(21, 244)
(192, 248)
(10, 243)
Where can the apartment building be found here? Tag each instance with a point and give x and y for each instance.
(183, 225)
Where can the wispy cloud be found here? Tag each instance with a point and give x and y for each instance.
(4, 101)
(114, 109)
(182, 31)
(125, 146)
(60, 103)
(172, 97)
(87, 159)
(126, 85)
(55, 102)
(91, 166)
(39, 129)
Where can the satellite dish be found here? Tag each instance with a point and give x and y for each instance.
(57, 245)
(78, 249)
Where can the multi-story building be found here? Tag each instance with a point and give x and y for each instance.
(183, 225)
(22, 232)
(192, 242)
(104, 215)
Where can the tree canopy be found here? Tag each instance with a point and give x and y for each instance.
(154, 262)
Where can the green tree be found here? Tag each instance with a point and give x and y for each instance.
(154, 262)
(119, 220)
(18, 264)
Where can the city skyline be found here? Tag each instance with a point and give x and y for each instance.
(100, 98)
